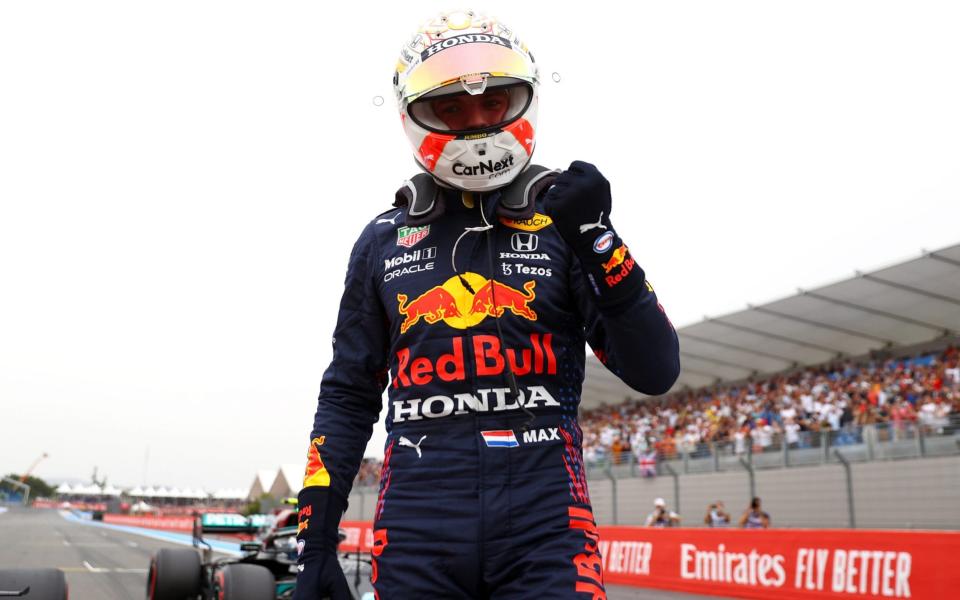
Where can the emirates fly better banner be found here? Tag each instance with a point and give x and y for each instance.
(776, 563)
(784, 563)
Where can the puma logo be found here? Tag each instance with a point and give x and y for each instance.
(405, 442)
(391, 221)
(598, 225)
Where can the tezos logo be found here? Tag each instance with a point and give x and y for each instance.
(603, 243)
(489, 166)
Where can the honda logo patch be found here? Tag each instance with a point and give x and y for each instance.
(524, 242)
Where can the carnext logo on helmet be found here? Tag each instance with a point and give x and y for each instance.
(468, 38)
(484, 167)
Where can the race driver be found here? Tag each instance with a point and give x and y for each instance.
(471, 302)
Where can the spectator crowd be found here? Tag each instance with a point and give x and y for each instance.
(884, 399)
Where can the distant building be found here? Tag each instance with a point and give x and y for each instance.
(288, 481)
(261, 483)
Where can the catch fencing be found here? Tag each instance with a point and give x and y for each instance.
(868, 477)
(874, 477)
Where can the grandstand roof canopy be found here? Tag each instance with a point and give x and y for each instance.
(906, 304)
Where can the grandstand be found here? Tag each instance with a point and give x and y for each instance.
(893, 310)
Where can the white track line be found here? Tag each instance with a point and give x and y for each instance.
(93, 569)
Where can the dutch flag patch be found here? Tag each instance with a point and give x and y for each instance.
(500, 439)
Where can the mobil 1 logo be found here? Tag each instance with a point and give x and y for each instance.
(409, 262)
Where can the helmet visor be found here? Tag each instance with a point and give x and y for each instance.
(458, 112)
(449, 64)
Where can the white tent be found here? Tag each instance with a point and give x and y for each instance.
(229, 494)
(87, 490)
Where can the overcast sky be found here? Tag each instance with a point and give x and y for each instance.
(181, 183)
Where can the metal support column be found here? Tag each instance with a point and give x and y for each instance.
(753, 483)
(613, 493)
(846, 467)
(676, 486)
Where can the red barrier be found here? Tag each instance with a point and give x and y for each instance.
(784, 563)
(63, 504)
(781, 563)
(356, 531)
(166, 523)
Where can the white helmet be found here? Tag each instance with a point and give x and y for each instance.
(455, 55)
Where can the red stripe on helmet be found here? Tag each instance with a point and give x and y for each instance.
(523, 131)
(432, 147)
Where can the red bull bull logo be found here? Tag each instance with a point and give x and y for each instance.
(616, 259)
(463, 301)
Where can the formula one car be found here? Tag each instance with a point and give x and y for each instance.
(267, 569)
(33, 584)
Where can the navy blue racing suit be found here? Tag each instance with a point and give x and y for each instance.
(482, 494)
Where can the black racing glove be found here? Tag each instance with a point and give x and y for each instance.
(319, 573)
(579, 204)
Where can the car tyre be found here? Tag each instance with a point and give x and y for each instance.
(174, 575)
(245, 582)
(44, 584)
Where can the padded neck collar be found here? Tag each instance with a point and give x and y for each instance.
(425, 200)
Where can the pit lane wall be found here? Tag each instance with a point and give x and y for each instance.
(775, 563)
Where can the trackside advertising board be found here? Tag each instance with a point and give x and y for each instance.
(784, 563)
(775, 563)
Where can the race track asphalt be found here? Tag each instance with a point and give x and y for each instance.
(101, 563)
